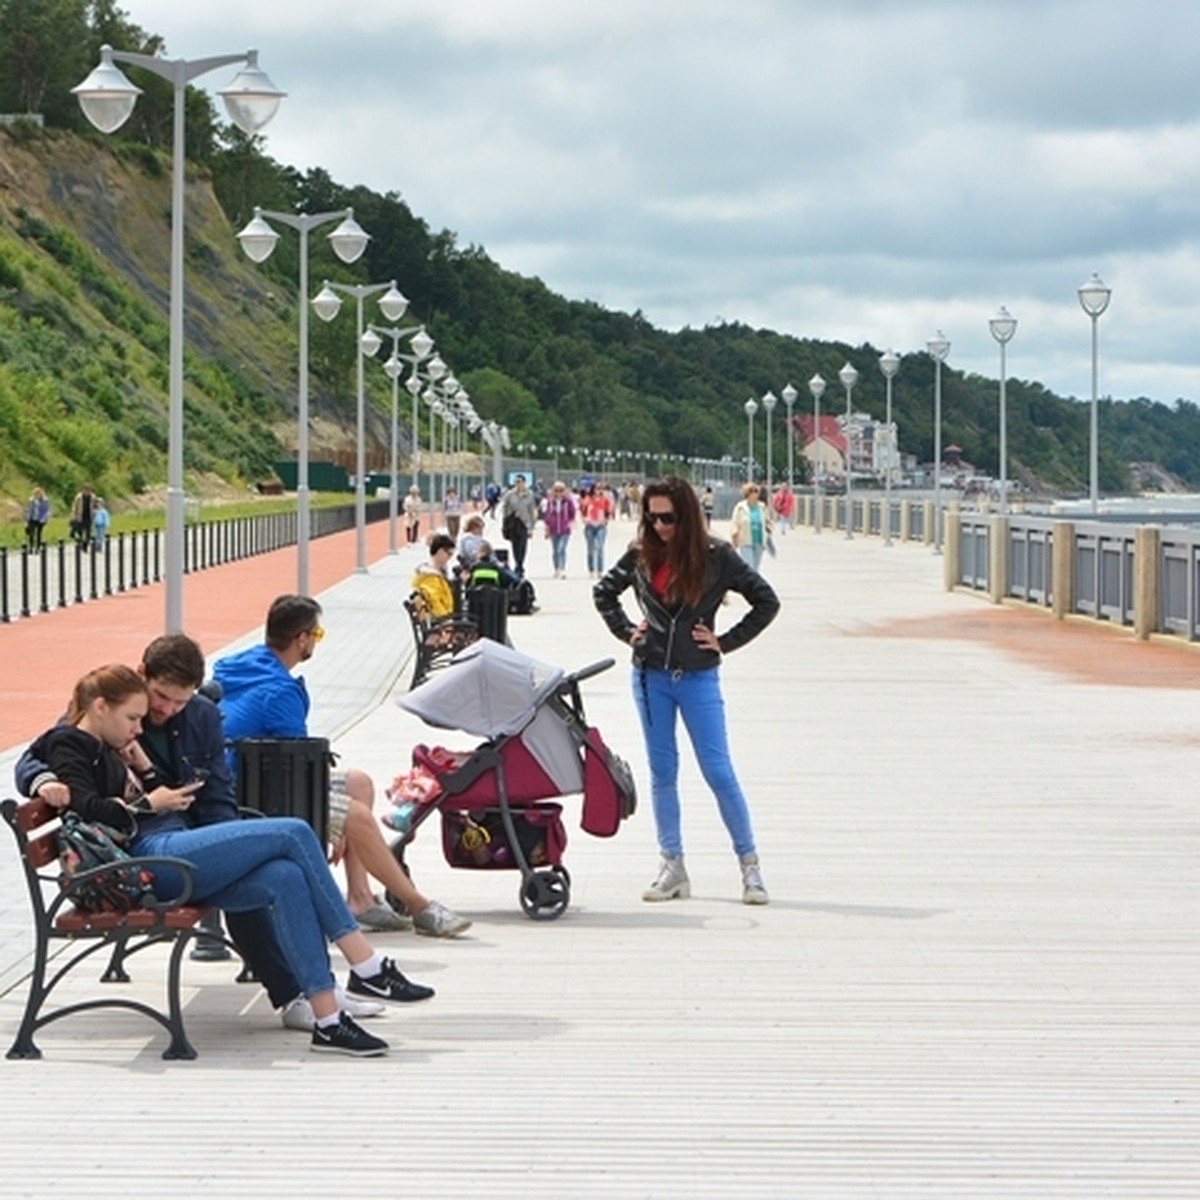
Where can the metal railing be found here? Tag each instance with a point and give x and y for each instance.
(66, 573)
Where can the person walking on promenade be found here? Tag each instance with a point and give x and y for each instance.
(412, 514)
(558, 516)
(707, 502)
(596, 510)
(783, 504)
(37, 514)
(261, 698)
(752, 526)
(101, 522)
(183, 738)
(518, 516)
(452, 508)
(491, 496)
(81, 515)
(679, 576)
(273, 863)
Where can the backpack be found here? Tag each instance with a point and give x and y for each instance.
(85, 845)
(522, 599)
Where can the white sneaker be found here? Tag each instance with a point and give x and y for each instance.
(672, 882)
(754, 891)
(298, 1013)
(436, 920)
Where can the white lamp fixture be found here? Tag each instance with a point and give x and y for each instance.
(889, 364)
(849, 377)
(768, 402)
(789, 394)
(750, 408)
(816, 385)
(938, 347)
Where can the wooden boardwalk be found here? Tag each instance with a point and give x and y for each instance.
(978, 975)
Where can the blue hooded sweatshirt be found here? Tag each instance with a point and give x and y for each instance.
(260, 697)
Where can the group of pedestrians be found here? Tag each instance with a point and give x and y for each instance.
(89, 521)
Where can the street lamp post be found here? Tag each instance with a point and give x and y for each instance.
(1094, 297)
(768, 403)
(849, 377)
(750, 408)
(392, 304)
(889, 364)
(1003, 326)
(816, 385)
(107, 99)
(938, 347)
(422, 345)
(258, 240)
(789, 398)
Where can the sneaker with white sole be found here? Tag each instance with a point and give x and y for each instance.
(297, 1014)
(436, 920)
(389, 984)
(346, 1037)
(672, 881)
(754, 891)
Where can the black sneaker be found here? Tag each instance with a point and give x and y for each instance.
(389, 984)
(346, 1037)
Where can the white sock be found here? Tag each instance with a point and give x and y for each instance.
(330, 1021)
(369, 968)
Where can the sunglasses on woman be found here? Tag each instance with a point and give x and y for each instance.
(660, 518)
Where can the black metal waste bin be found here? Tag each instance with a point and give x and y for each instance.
(488, 606)
(285, 777)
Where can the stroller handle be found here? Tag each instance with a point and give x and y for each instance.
(596, 668)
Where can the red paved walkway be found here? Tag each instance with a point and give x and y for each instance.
(41, 657)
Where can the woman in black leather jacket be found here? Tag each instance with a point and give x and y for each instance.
(679, 576)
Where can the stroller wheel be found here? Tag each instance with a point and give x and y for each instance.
(546, 894)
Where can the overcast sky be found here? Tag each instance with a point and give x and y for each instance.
(859, 170)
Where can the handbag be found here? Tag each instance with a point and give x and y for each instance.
(86, 845)
(512, 527)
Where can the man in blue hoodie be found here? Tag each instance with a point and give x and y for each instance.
(261, 698)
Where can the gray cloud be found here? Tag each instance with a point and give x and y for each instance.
(865, 171)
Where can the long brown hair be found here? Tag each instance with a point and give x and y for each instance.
(687, 552)
(114, 684)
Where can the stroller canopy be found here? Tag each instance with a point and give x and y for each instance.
(489, 690)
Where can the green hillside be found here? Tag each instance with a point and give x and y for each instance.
(84, 241)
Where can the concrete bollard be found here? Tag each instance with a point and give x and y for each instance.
(1146, 544)
(1062, 559)
(952, 548)
(997, 558)
(930, 522)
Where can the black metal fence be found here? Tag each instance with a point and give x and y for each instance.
(70, 573)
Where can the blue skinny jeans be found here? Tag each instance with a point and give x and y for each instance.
(696, 696)
(595, 535)
(558, 550)
(275, 863)
(752, 554)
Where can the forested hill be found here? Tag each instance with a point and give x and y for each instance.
(84, 242)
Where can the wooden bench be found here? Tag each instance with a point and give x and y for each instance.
(35, 826)
(436, 639)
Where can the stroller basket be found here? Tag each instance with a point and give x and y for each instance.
(477, 840)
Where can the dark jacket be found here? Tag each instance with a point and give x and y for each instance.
(668, 640)
(197, 741)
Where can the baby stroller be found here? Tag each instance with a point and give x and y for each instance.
(497, 806)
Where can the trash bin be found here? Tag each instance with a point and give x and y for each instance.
(285, 777)
(489, 607)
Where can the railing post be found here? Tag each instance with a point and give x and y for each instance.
(1147, 540)
(930, 523)
(952, 548)
(1063, 565)
(905, 520)
(4, 614)
(997, 557)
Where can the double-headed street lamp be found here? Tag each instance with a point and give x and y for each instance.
(789, 398)
(392, 304)
(938, 347)
(1003, 326)
(849, 377)
(393, 367)
(1093, 298)
(107, 99)
(816, 385)
(889, 364)
(750, 408)
(348, 240)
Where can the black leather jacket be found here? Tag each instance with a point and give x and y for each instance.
(668, 639)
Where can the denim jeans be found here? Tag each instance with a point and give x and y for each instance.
(752, 554)
(696, 696)
(275, 863)
(595, 535)
(558, 550)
